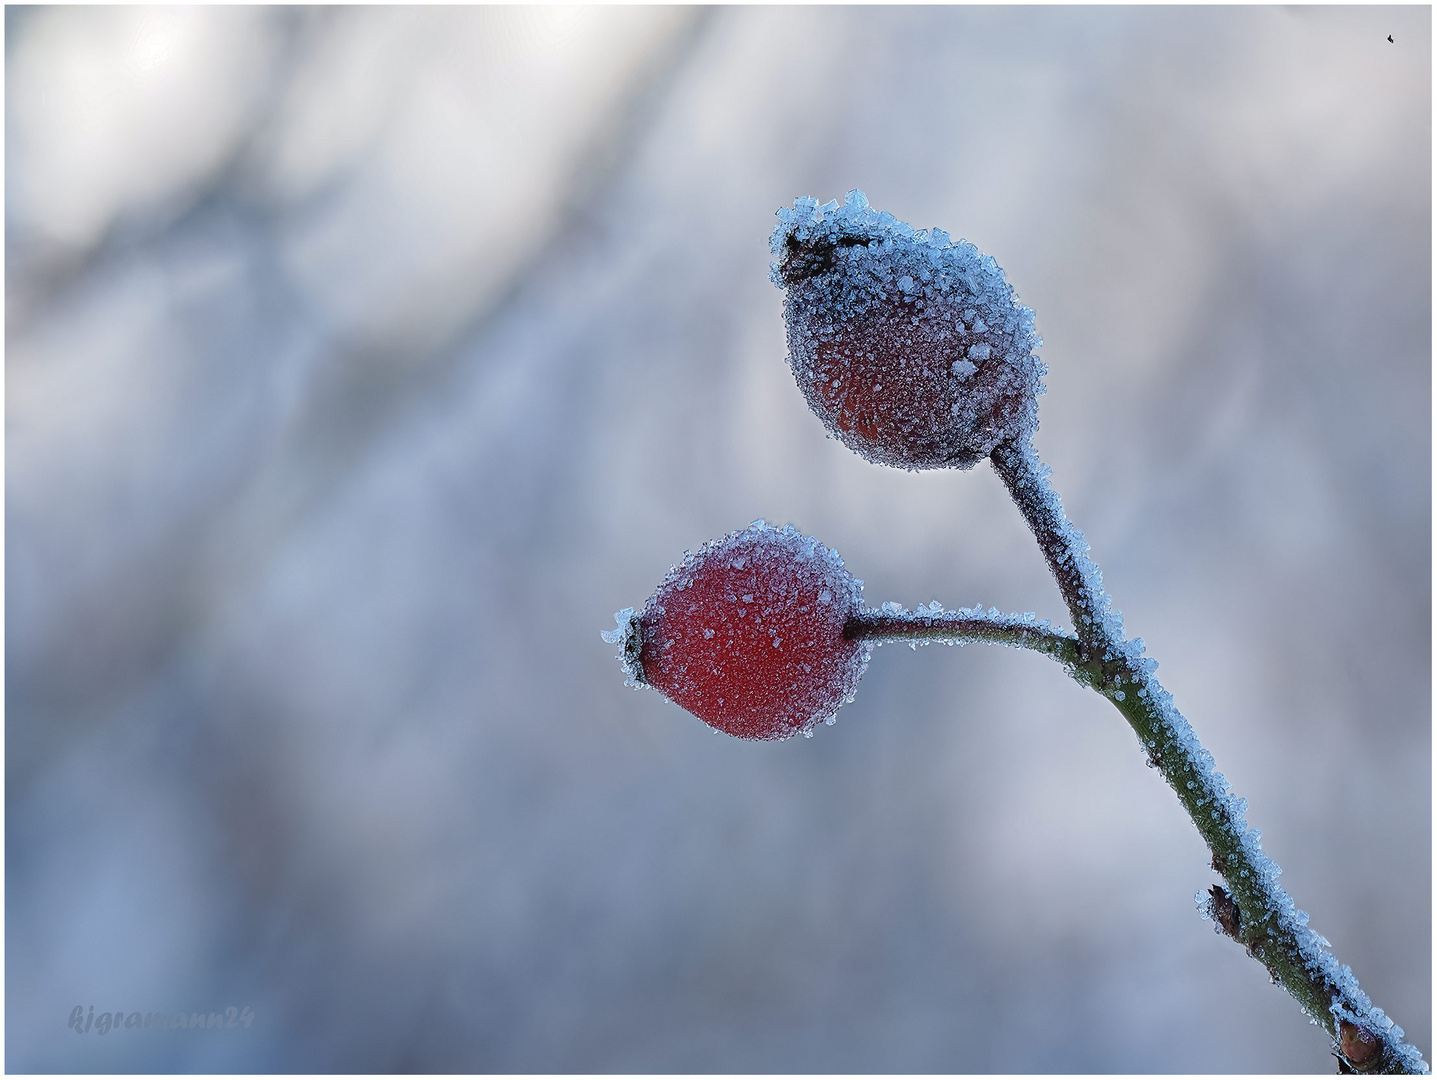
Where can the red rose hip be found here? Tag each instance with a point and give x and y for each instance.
(908, 346)
(747, 634)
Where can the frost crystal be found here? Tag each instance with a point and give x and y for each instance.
(747, 634)
(629, 637)
(909, 346)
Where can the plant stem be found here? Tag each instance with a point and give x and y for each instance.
(1254, 909)
(1063, 546)
(891, 624)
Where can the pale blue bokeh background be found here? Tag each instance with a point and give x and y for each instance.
(362, 362)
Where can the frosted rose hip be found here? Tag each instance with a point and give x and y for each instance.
(908, 346)
(747, 634)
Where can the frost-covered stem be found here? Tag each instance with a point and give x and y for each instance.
(1266, 921)
(891, 624)
(1064, 548)
(1254, 909)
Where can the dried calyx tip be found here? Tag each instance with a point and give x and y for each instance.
(629, 636)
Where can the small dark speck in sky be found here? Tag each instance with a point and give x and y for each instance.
(1389, 38)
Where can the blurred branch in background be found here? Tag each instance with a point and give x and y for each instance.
(267, 166)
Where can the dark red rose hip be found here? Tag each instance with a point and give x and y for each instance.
(747, 634)
(908, 346)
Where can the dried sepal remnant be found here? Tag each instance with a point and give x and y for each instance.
(629, 636)
(747, 634)
(909, 346)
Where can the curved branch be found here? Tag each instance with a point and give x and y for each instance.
(1254, 909)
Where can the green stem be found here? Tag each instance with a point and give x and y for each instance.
(1254, 909)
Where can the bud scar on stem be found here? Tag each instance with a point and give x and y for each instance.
(913, 351)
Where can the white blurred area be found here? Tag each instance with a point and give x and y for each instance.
(119, 112)
(362, 361)
(432, 147)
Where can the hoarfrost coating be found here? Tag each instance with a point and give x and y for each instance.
(747, 634)
(909, 346)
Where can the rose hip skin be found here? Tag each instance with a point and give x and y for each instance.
(908, 346)
(747, 634)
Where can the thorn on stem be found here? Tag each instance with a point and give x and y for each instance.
(1224, 911)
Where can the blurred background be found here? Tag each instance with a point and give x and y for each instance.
(361, 362)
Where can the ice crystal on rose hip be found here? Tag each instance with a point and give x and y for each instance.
(909, 346)
(747, 634)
